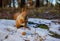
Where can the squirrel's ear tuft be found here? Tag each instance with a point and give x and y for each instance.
(16, 15)
(24, 9)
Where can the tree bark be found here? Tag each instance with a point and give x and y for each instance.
(22, 3)
(10, 3)
(0, 3)
(37, 3)
(13, 3)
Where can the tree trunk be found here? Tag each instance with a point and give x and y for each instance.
(10, 3)
(22, 3)
(37, 3)
(0, 3)
(47, 2)
(13, 3)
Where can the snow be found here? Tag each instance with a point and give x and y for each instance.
(8, 31)
(48, 38)
(41, 32)
(55, 28)
(39, 21)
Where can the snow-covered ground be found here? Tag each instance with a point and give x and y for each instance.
(8, 31)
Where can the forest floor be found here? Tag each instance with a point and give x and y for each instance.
(8, 31)
(44, 12)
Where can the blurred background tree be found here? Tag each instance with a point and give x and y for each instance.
(5, 3)
(21, 3)
(58, 4)
(0, 3)
(13, 6)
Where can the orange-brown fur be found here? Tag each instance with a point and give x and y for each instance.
(15, 15)
(21, 19)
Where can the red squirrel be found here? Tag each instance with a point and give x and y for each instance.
(21, 19)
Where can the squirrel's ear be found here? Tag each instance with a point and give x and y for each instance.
(15, 15)
(24, 9)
